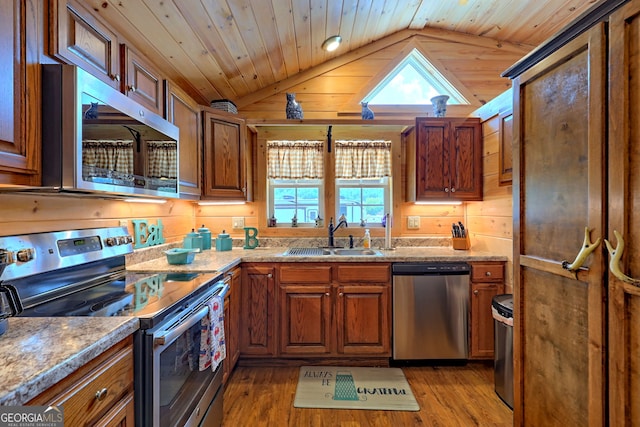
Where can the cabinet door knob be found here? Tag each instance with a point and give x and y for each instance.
(101, 394)
(269, 275)
(487, 273)
(446, 190)
(132, 88)
(115, 77)
(475, 292)
(453, 190)
(327, 294)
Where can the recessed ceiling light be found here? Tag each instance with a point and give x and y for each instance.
(332, 43)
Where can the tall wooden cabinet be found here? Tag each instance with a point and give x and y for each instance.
(624, 205)
(576, 339)
(19, 102)
(448, 159)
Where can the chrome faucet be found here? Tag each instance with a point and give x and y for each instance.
(332, 229)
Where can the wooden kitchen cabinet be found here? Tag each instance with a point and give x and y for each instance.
(258, 320)
(81, 38)
(305, 310)
(100, 393)
(487, 281)
(19, 99)
(448, 159)
(141, 80)
(363, 309)
(232, 322)
(334, 310)
(559, 181)
(185, 113)
(78, 37)
(225, 159)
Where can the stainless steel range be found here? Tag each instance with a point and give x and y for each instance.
(82, 273)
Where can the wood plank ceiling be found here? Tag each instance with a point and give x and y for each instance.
(234, 49)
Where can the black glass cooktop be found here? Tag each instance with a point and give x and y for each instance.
(143, 295)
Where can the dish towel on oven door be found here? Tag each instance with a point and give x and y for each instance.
(212, 341)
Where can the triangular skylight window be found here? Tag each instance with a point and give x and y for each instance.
(414, 81)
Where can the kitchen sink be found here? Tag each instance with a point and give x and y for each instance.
(331, 251)
(307, 252)
(356, 252)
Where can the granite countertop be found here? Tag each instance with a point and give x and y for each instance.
(211, 260)
(37, 352)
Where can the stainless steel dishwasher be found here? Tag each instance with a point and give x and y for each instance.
(430, 311)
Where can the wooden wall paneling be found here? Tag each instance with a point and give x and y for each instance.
(559, 317)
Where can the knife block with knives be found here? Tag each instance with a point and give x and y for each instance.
(460, 237)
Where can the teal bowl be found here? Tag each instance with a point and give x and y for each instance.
(180, 255)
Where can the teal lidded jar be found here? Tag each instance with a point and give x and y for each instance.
(224, 242)
(193, 240)
(205, 233)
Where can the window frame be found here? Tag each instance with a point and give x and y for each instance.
(388, 188)
(293, 183)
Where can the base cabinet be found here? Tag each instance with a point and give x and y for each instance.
(258, 297)
(334, 310)
(100, 393)
(487, 281)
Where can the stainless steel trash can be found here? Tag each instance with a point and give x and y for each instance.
(502, 309)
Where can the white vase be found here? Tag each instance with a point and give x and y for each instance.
(440, 105)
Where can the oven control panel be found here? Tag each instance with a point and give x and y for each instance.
(28, 254)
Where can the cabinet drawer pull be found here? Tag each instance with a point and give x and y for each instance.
(616, 256)
(585, 251)
(101, 394)
(487, 273)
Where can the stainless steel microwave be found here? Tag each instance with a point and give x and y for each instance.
(97, 140)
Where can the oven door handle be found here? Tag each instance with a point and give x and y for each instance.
(167, 336)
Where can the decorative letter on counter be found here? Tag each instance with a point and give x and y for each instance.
(145, 234)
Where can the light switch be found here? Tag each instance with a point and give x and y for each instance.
(238, 222)
(413, 222)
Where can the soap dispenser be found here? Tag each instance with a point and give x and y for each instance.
(366, 243)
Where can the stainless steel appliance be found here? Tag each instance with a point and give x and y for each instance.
(502, 309)
(82, 273)
(97, 140)
(430, 311)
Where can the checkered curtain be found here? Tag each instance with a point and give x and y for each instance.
(363, 159)
(163, 159)
(104, 156)
(295, 159)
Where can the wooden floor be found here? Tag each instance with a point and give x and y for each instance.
(448, 396)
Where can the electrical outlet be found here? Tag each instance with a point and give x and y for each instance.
(123, 223)
(413, 222)
(238, 222)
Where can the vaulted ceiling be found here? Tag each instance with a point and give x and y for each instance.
(235, 49)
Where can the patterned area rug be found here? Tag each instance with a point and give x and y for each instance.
(354, 388)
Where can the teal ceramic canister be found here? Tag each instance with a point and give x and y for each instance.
(193, 240)
(224, 242)
(205, 233)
